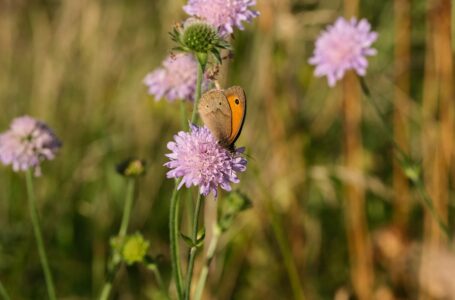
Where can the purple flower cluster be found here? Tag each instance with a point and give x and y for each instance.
(197, 157)
(223, 14)
(343, 46)
(176, 79)
(27, 143)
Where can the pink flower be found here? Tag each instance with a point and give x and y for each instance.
(176, 79)
(343, 46)
(199, 160)
(223, 14)
(27, 143)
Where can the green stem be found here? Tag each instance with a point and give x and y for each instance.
(208, 260)
(106, 290)
(174, 240)
(286, 253)
(427, 200)
(115, 260)
(197, 94)
(127, 208)
(193, 250)
(405, 159)
(159, 279)
(183, 118)
(38, 235)
(3, 292)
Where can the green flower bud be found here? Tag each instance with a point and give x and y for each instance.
(412, 172)
(131, 167)
(135, 249)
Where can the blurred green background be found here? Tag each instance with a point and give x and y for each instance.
(79, 66)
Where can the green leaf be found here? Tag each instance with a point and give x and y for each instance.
(201, 238)
(217, 55)
(180, 49)
(187, 240)
(233, 204)
(199, 243)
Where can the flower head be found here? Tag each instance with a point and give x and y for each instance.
(176, 79)
(343, 46)
(223, 14)
(198, 158)
(27, 143)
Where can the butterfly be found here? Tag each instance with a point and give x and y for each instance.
(223, 112)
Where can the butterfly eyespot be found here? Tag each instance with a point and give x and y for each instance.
(237, 101)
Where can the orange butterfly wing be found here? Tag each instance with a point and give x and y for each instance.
(237, 102)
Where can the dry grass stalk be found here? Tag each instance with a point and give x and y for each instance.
(356, 225)
(437, 120)
(435, 143)
(360, 252)
(402, 88)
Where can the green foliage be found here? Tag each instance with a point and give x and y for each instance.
(233, 204)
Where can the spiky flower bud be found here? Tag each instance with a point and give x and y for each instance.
(200, 38)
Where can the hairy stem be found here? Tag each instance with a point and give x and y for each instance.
(193, 250)
(174, 240)
(183, 117)
(39, 238)
(197, 94)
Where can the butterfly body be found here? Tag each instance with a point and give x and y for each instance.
(223, 112)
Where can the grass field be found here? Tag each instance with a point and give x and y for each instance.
(337, 211)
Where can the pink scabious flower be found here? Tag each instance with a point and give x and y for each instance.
(223, 14)
(27, 143)
(176, 79)
(343, 46)
(199, 160)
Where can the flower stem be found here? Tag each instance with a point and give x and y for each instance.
(193, 250)
(183, 118)
(3, 292)
(127, 208)
(115, 259)
(285, 250)
(197, 94)
(106, 290)
(38, 235)
(404, 159)
(208, 260)
(174, 240)
(159, 279)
